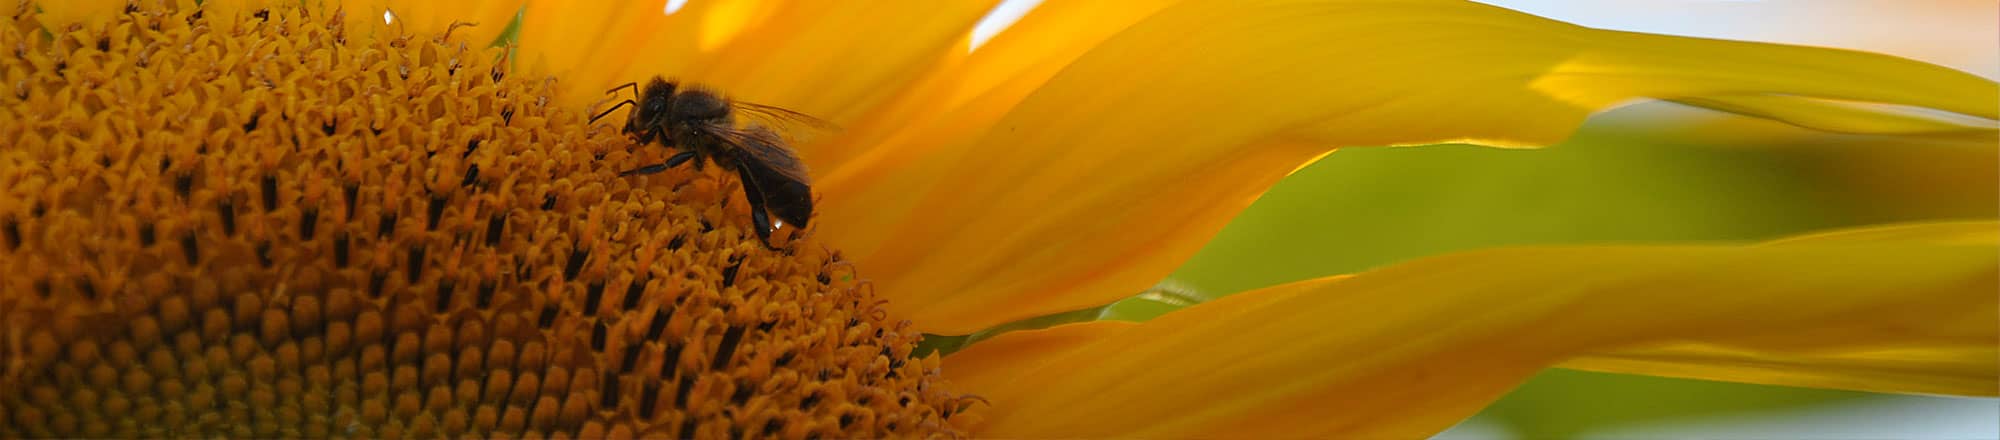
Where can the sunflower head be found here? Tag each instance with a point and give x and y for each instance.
(271, 222)
(251, 218)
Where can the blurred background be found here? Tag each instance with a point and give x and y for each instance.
(1650, 172)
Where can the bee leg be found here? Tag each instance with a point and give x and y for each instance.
(649, 169)
(631, 85)
(593, 119)
(758, 217)
(680, 158)
(674, 161)
(763, 223)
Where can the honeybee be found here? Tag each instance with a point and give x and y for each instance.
(702, 125)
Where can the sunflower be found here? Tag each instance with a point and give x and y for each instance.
(368, 219)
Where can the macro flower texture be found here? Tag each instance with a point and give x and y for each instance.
(398, 219)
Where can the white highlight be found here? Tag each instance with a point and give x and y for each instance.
(999, 19)
(388, 17)
(674, 6)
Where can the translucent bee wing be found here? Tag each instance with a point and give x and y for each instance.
(764, 148)
(781, 116)
(791, 125)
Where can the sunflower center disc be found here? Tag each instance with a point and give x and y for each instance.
(267, 223)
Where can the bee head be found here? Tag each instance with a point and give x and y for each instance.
(655, 101)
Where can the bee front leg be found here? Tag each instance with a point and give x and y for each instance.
(674, 161)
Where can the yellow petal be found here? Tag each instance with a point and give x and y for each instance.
(868, 172)
(966, 94)
(1969, 232)
(1120, 167)
(1836, 116)
(592, 46)
(980, 366)
(1964, 368)
(836, 60)
(1408, 350)
(831, 60)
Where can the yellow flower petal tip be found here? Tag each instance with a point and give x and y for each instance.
(272, 224)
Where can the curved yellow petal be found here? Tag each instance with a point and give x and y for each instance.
(1619, 66)
(1116, 170)
(592, 46)
(837, 60)
(985, 365)
(1408, 350)
(967, 94)
(1963, 368)
(1837, 116)
(1966, 232)
(867, 174)
(832, 60)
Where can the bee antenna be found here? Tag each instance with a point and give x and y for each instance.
(630, 85)
(593, 119)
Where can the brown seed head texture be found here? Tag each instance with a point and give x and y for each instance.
(268, 224)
